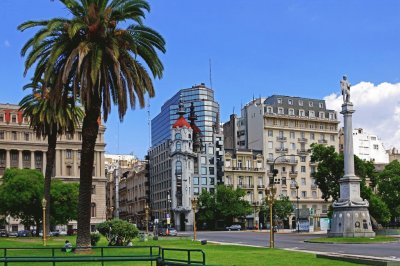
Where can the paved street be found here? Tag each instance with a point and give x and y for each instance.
(296, 241)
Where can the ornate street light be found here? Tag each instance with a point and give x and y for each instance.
(146, 210)
(44, 203)
(194, 207)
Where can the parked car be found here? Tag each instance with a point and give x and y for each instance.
(24, 233)
(236, 227)
(173, 232)
(3, 233)
(55, 233)
(62, 233)
(13, 234)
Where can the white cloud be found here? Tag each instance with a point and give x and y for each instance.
(377, 109)
(7, 43)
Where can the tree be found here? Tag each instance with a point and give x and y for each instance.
(281, 209)
(102, 62)
(226, 204)
(49, 120)
(331, 168)
(389, 187)
(21, 196)
(118, 232)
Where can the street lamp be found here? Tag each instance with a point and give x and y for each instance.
(168, 216)
(44, 202)
(297, 198)
(194, 206)
(146, 210)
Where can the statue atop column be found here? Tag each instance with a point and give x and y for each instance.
(345, 85)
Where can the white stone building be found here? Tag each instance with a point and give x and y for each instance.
(369, 147)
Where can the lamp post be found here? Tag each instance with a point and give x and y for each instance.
(270, 194)
(168, 216)
(194, 206)
(44, 202)
(146, 210)
(297, 218)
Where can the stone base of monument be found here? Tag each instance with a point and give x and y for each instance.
(351, 221)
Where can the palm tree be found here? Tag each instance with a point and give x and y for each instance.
(102, 63)
(49, 120)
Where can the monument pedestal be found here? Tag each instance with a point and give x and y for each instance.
(351, 221)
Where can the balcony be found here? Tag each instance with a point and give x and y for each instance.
(281, 138)
(248, 186)
(260, 186)
(293, 173)
(281, 150)
(293, 185)
(302, 151)
(314, 186)
(284, 173)
(322, 141)
(292, 161)
(303, 140)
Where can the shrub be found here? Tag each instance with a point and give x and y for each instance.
(94, 238)
(118, 232)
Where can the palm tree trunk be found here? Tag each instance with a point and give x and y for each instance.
(90, 129)
(50, 158)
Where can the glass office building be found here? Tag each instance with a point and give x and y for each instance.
(206, 109)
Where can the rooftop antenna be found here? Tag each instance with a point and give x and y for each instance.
(209, 62)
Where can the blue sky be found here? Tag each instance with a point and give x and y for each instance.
(258, 47)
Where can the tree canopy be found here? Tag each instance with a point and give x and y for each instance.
(389, 187)
(226, 204)
(331, 168)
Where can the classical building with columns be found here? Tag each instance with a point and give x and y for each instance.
(20, 148)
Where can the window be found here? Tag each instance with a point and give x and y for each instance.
(211, 170)
(311, 114)
(270, 156)
(212, 190)
(303, 159)
(333, 137)
(303, 181)
(293, 146)
(93, 189)
(293, 193)
(290, 102)
(292, 135)
(280, 111)
(376, 147)
(178, 146)
(279, 100)
(178, 168)
(195, 180)
(321, 115)
(311, 104)
(304, 194)
(314, 194)
(303, 169)
(14, 119)
(270, 144)
(321, 126)
(312, 169)
(301, 102)
(204, 180)
(301, 112)
(321, 105)
(203, 170)
(2, 134)
(14, 135)
(269, 110)
(331, 116)
(1, 118)
(239, 163)
(93, 210)
(228, 163)
(203, 160)
(211, 150)
(212, 180)
(68, 154)
(68, 136)
(79, 135)
(26, 136)
(270, 133)
(79, 155)
(178, 136)
(291, 112)
(312, 136)
(69, 170)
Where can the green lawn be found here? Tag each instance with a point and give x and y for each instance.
(215, 254)
(353, 240)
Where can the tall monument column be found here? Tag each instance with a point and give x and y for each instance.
(350, 213)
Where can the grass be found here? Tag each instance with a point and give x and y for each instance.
(353, 240)
(215, 254)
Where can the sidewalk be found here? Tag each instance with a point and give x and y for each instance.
(289, 231)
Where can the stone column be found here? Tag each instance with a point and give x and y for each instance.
(33, 160)
(102, 166)
(44, 161)
(8, 160)
(20, 159)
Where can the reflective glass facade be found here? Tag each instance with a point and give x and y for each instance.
(206, 109)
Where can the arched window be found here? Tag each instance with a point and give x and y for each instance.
(178, 136)
(178, 168)
(178, 146)
(93, 210)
